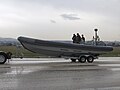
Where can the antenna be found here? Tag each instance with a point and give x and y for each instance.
(96, 36)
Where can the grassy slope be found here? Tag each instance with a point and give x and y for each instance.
(18, 52)
(114, 53)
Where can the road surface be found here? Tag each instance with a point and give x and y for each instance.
(60, 74)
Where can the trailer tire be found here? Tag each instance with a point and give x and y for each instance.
(3, 58)
(82, 59)
(90, 59)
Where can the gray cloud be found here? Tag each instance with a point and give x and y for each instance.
(101, 7)
(52, 21)
(70, 16)
(22, 17)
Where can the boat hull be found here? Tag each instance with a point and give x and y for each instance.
(52, 48)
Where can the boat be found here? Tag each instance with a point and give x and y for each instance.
(61, 49)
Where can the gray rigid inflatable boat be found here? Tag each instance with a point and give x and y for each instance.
(58, 49)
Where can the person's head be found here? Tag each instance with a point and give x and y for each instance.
(82, 35)
(74, 35)
(77, 33)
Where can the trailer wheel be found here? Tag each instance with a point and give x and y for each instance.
(90, 59)
(82, 59)
(73, 60)
(2, 59)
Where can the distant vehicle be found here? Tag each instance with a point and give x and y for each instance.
(4, 56)
(72, 51)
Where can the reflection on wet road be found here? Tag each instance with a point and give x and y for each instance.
(60, 74)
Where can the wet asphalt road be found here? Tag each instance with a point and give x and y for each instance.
(60, 74)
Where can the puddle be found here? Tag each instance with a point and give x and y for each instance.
(115, 69)
(24, 70)
(106, 88)
(117, 65)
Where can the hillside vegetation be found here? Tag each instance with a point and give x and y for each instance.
(114, 53)
(19, 52)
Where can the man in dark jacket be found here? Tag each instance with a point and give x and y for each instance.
(83, 39)
(74, 38)
(78, 38)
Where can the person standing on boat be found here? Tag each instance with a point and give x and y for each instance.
(78, 38)
(74, 38)
(83, 39)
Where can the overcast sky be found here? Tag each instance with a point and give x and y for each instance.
(59, 19)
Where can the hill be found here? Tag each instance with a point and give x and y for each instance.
(9, 41)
